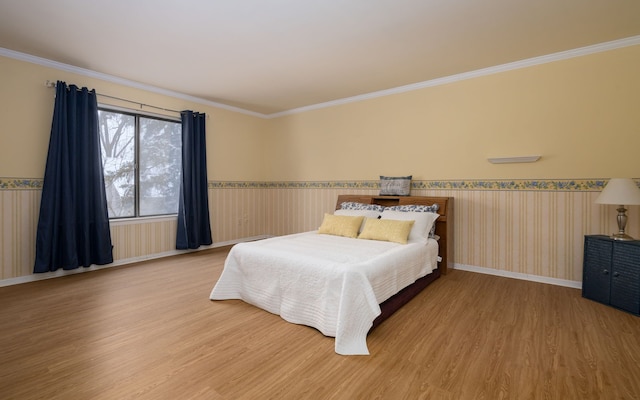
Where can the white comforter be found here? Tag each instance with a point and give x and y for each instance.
(331, 283)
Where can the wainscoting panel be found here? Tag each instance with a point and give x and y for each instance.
(141, 239)
(528, 229)
(293, 210)
(537, 232)
(237, 213)
(19, 211)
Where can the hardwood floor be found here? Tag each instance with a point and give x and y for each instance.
(149, 331)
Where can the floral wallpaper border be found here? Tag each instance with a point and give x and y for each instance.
(568, 185)
(579, 185)
(20, 184)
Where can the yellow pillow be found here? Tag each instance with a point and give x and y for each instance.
(341, 225)
(390, 230)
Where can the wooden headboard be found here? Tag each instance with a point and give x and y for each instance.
(444, 223)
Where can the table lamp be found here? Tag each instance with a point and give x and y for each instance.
(621, 192)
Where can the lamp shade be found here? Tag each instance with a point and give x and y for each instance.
(620, 191)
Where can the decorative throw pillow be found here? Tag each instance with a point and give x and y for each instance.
(418, 208)
(395, 185)
(341, 225)
(421, 229)
(386, 229)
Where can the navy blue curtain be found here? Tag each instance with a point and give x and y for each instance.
(194, 228)
(73, 227)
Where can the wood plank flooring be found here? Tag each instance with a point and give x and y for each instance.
(149, 331)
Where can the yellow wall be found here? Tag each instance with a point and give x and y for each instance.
(580, 114)
(234, 140)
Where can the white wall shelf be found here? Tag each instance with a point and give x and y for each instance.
(509, 160)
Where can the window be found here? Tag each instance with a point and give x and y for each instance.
(141, 157)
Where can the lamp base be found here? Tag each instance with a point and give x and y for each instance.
(621, 236)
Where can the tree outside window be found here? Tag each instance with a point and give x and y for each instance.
(141, 158)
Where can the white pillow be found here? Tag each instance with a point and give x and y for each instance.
(359, 213)
(423, 222)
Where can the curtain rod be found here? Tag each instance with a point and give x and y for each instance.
(51, 84)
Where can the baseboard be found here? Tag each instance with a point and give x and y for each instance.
(462, 267)
(518, 275)
(61, 272)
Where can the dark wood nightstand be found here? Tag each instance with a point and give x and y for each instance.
(611, 272)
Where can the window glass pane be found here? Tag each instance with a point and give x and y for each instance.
(160, 166)
(117, 137)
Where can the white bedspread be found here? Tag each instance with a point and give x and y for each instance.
(331, 283)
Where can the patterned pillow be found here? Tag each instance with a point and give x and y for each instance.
(352, 205)
(395, 185)
(415, 208)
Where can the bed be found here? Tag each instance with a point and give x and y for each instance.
(342, 286)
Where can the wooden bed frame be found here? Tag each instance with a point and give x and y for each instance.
(444, 229)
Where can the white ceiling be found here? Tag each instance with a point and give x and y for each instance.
(268, 56)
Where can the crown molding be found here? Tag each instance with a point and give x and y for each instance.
(563, 55)
(121, 81)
